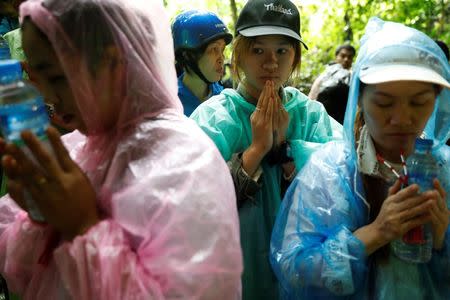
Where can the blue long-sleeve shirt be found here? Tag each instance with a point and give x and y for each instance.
(190, 101)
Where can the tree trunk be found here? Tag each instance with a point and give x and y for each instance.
(445, 18)
(348, 31)
(233, 11)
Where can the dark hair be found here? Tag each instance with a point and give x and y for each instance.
(334, 98)
(346, 47)
(444, 48)
(184, 57)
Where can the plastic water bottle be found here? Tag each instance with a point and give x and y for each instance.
(4, 49)
(21, 108)
(416, 245)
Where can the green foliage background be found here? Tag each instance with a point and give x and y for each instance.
(328, 23)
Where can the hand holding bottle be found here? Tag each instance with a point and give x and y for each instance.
(400, 212)
(62, 192)
(403, 210)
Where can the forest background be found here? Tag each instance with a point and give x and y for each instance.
(326, 24)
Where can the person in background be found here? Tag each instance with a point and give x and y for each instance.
(344, 55)
(127, 212)
(264, 130)
(332, 238)
(333, 94)
(199, 39)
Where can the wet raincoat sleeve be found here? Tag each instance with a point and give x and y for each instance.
(221, 124)
(22, 239)
(440, 264)
(313, 250)
(440, 259)
(246, 186)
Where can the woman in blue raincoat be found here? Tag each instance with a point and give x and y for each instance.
(264, 131)
(332, 236)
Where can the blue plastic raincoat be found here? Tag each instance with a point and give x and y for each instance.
(313, 250)
(226, 119)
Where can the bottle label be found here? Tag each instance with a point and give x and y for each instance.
(16, 119)
(415, 236)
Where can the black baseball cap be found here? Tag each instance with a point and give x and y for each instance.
(264, 17)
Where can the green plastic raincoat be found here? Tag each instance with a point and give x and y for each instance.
(226, 119)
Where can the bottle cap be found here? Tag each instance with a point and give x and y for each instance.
(10, 69)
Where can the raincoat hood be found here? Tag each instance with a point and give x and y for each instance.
(388, 44)
(145, 85)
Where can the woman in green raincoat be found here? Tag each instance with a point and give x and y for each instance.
(265, 131)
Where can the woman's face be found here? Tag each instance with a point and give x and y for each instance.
(211, 62)
(49, 77)
(271, 57)
(395, 113)
(52, 82)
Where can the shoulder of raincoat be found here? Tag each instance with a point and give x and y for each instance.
(226, 120)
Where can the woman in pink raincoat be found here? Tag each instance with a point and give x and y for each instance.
(138, 202)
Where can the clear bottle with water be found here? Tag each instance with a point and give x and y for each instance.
(4, 49)
(21, 108)
(417, 244)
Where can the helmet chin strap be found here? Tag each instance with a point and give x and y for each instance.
(194, 67)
